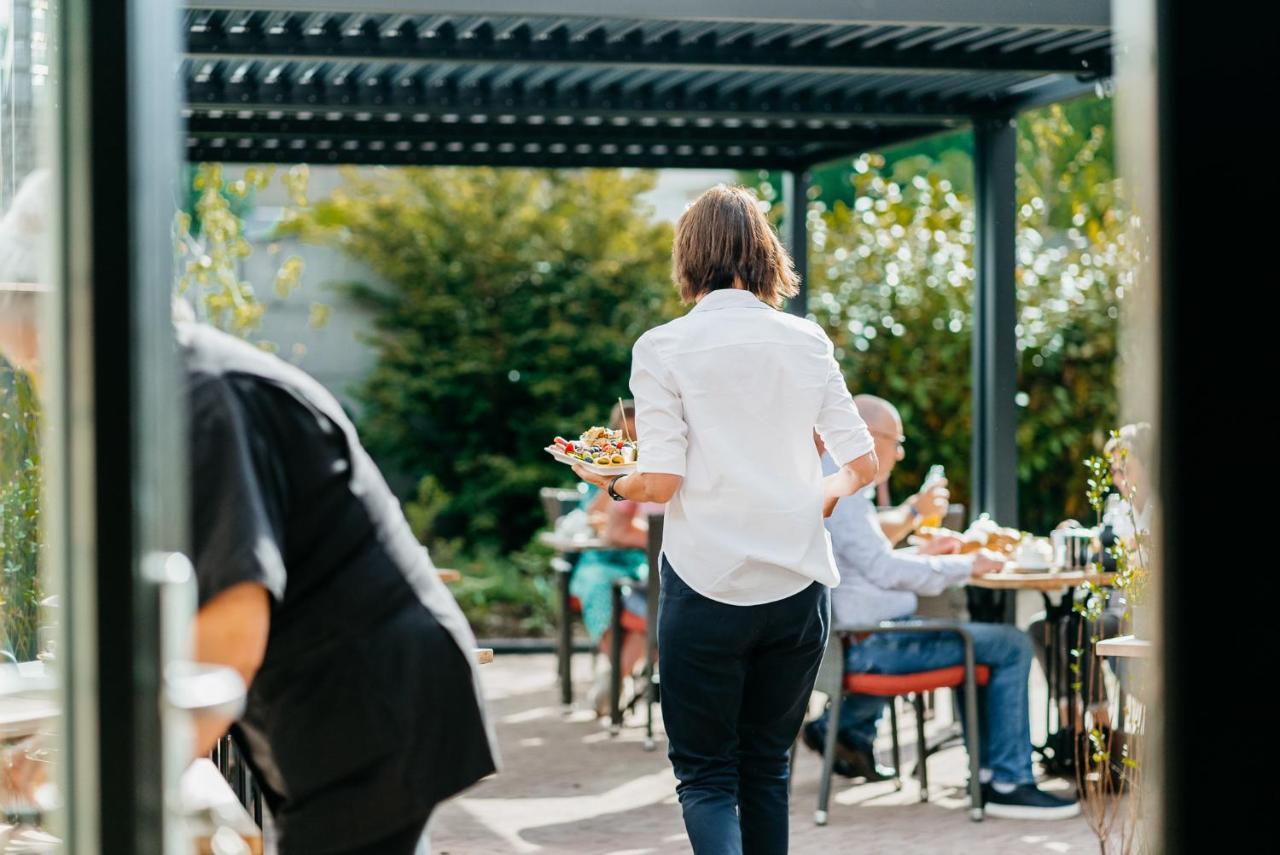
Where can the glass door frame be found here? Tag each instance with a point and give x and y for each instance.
(118, 483)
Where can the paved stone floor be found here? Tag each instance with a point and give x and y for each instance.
(568, 787)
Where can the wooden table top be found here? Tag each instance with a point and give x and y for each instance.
(1124, 646)
(1050, 581)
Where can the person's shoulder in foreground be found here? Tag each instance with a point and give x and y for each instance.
(208, 351)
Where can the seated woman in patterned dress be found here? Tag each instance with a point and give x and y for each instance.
(624, 525)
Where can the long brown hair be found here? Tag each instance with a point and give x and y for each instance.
(724, 235)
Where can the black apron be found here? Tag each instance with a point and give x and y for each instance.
(366, 711)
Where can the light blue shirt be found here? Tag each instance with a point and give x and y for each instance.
(877, 582)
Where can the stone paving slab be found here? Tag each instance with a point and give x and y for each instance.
(568, 787)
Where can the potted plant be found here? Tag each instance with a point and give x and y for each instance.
(1108, 753)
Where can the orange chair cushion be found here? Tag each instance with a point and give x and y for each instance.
(632, 622)
(891, 685)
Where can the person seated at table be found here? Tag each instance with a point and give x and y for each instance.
(624, 525)
(1126, 452)
(879, 584)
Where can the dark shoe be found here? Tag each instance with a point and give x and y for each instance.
(850, 761)
(1027, 801)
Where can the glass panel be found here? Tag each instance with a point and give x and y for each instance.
(30, 358)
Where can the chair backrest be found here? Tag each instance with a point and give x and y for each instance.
(954, 519)
(557, 501)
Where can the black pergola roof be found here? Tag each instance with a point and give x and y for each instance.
(747, 84)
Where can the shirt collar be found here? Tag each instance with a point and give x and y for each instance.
(729, 298)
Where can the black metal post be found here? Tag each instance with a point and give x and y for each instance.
(795, 197)
(1202, 286)
(115, 160)
(995, 355)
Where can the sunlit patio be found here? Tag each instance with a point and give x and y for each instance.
(568, 786)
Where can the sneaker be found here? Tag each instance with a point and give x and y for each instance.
(850, 762)
(1027, 801)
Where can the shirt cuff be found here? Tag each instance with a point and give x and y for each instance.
(848, 449)
(956, 568)
(660, 465)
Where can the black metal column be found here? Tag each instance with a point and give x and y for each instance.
(117, 158)
(995, 355)
(1216, 348)
(795, 197)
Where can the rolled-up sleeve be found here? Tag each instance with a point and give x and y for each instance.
(660, 425)
(842, 429)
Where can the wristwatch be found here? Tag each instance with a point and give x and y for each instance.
(915, 515)
(614, 494)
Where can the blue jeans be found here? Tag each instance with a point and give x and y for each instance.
(735, 684)
(1004, 726)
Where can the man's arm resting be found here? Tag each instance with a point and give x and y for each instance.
(231, 630)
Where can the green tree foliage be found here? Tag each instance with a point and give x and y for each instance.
(891, 279)
(209, 244)
(513, 299)
(20, 486)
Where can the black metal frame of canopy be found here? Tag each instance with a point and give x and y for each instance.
(732, 84)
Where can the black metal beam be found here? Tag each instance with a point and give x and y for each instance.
(344, 126)
(262, 125)
(552, 155)
(1045, 91)
(991, 13)
(208, 90)
(795, 195)
(413, 49)
(995, 355)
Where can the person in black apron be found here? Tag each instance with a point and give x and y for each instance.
(363, 711)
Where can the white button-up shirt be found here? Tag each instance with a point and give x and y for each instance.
(728, 396)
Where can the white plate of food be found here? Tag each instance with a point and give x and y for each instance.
(599, 450)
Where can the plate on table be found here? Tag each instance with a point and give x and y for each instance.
(597, 468)
(1028, 567)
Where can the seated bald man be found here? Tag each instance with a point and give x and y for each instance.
(879, 584)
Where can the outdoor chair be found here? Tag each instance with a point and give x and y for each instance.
(556, 502)
(834, 683)
(623, 621)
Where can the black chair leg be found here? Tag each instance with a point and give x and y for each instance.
(922, 764)
(615, 663)
(828, 759)
(565, 647)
